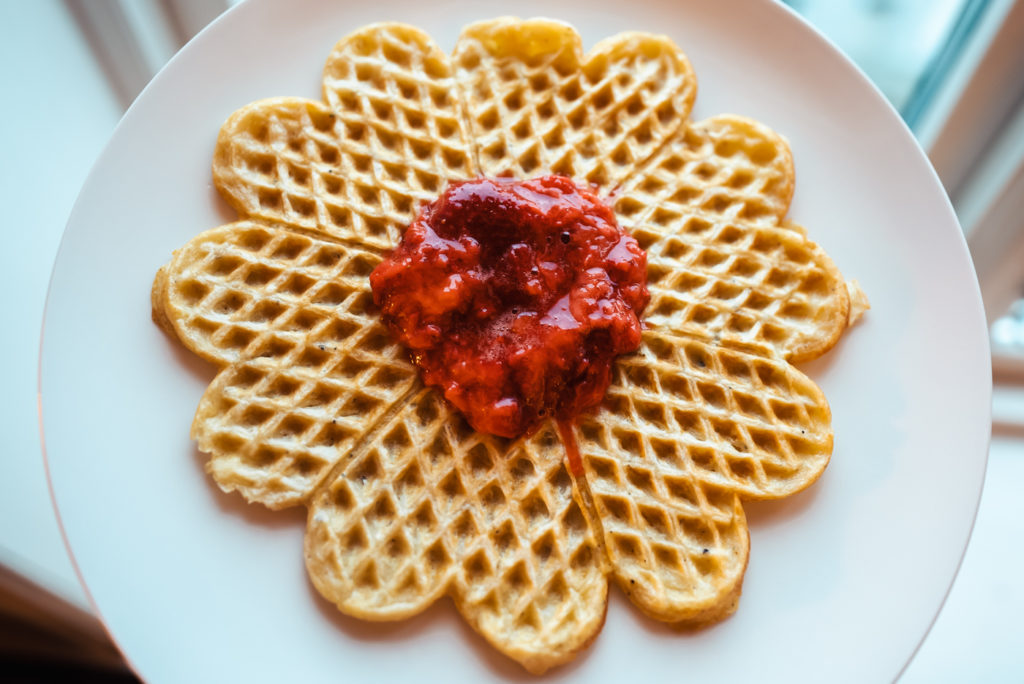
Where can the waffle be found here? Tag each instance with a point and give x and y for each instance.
(430, 507)
(389, 136)
(709, 208)
(535, 105)
(306, 365)
(690, 427)
(313, 404)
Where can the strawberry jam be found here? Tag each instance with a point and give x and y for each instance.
(514, 298)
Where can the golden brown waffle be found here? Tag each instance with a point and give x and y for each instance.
(308, 366)
(427, 506)
(535, 106)
(313, 403)
(390, 136)
(690, 426)
(708, 208)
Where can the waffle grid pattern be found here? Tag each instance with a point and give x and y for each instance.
(726, 168)
(753, 284)
(535, 105)
(390, 137)
(689, 427)
(314, 405)
(491, 522)
(708, 209)
(311, 367)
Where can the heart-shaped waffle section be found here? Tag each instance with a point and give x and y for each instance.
(314, 404)
(535, 105)
(708, 207)
(390, 136)
(428, 506)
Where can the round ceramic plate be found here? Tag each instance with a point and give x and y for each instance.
(844, 579)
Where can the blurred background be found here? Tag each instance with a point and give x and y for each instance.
(954, 69)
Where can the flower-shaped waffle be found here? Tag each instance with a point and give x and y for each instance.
(315, 404)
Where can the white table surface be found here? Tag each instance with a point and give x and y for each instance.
(58, 114)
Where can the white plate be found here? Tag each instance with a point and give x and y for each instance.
(844, 579)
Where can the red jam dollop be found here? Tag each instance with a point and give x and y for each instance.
(513, 298)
